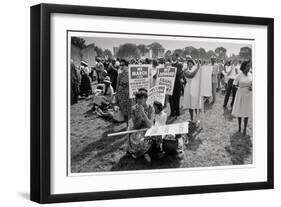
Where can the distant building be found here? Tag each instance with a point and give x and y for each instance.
(148, 54)
(160, 53)
(115, 50)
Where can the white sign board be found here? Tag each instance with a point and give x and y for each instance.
(180, 128)
(156, 93)
(138, 78)
(166, 77)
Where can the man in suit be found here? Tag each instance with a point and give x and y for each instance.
(175, 98)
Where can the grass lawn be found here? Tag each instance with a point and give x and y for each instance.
(217, 144)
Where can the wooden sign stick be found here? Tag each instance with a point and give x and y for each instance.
(126, 132)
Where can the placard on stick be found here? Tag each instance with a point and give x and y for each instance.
(156, 93)
(138, 78)
(166, 77)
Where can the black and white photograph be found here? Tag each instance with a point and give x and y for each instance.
(129, 103)
(153, 101)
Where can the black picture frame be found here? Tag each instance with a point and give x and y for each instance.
(41, 99)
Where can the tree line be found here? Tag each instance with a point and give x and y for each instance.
(137, 51)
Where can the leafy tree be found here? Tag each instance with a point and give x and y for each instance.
(142, 49)
(188, 51)
(168, 54)
(220, 52)
(202, 53)
(178, 52)
(78, 42)
(245, 53)
(107, 53)
(128, 50)
(99, 51)
(210, 53)
(195, 54)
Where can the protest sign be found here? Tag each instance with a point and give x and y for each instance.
(138, 78)
(179, 128)
(166, 77)
(156, 93)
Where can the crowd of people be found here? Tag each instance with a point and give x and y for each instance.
(111, 75)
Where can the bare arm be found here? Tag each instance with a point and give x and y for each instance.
(191, 74)
(148, 122)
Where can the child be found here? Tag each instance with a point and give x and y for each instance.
(160, 119)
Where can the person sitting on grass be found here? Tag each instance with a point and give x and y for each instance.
(103, 95)
(160, 119)
(139, 145)
(160, 115)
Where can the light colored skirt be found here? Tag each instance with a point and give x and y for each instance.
(190, 101)
(243, 103)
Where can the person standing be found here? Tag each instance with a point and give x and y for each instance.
(230, 73)
(112, 73)
(74, 84)
(175, 98)
(242, 107)
(122, 90)
(85, 85)
(153, 73)
(215, 72)
(220, 75)
(192, 99)
(99, 69)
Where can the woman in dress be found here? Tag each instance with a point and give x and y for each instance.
(141, 118)
(191, 99)
(122, 90)
(242, 107)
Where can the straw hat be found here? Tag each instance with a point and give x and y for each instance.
(84, 62)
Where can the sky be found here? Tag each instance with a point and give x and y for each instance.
(109, 43)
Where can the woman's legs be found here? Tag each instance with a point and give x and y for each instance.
(245, 125)
(214, 85)
(191, 114)
(239, 124)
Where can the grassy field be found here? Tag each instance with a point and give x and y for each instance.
(217, 144)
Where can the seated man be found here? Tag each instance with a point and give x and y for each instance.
(103, 94)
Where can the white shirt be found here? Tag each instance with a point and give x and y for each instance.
(232, 71)
(160, 119)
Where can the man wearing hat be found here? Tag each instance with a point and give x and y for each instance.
(84, 66)
(103, 96)
(215, 72)
(108, 90)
